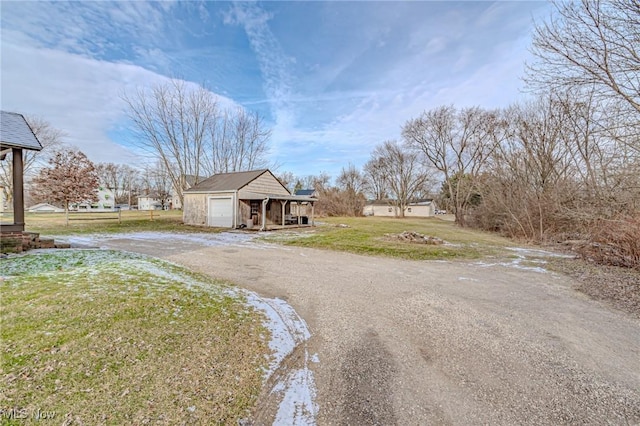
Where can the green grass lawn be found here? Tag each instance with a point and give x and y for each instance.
(104, 337)
(89, 222)
(367, 235)
(364, 235)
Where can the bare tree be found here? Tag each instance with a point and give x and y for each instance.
(172, 122)
(318, 182)
(70, 178)
(375, 179)
(50, 138)
(156, 182)
(456, 143)
(239, 141)
(531, 168)
(406, 175)
(591, 44)
(183, 127)
(289, 180)
(350, 183)
(119, 178)
(558, 172)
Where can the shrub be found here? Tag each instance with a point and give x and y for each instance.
(614, 242)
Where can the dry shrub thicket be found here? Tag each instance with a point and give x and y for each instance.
(346, 198)
(565, 172)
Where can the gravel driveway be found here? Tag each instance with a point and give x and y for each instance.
(417, 342)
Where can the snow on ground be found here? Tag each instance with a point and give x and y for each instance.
(536, 252)
(525, 255)
(297, 388)
(170, 240)
(287, 328)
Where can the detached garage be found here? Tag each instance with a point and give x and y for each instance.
(243, 199)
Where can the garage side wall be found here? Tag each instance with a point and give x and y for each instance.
(194, 211)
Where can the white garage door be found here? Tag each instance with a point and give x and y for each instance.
(221, 212)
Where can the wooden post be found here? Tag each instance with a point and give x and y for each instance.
(18, 188)
(151, 214)
(283, 203)
(312, 212)
(119, 216)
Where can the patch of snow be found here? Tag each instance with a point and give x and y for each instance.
(513, 264)
(537, 252)
(525, 254)
(466, 279)
(168, 239)
(298, 406)
(288, 330)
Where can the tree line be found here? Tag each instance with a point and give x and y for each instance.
(562, 166)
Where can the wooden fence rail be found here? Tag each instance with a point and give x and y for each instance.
(91, 215)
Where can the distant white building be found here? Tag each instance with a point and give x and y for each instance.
(149, 201)
(44, 208)
(106, 201)
(106, 198)
(418, 208)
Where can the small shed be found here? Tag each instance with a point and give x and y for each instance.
(243, 199)
(16, 136)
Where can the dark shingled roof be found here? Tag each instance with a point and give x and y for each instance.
(227, 181)
(16, 133)
(305, 192)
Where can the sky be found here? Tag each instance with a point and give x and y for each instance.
(331, 79)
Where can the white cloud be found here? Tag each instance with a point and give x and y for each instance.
(274, 64)
(78, 95)
(369, 68)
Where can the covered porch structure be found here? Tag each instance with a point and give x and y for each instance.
(273, 211)
(15, 137)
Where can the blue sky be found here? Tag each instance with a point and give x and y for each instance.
(332, 79)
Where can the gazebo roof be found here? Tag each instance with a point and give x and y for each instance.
(16, 133)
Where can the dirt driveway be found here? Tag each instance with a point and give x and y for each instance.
(416, 342)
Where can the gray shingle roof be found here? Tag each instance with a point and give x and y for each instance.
(305, 192)
(227, 181)
(16, 133)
